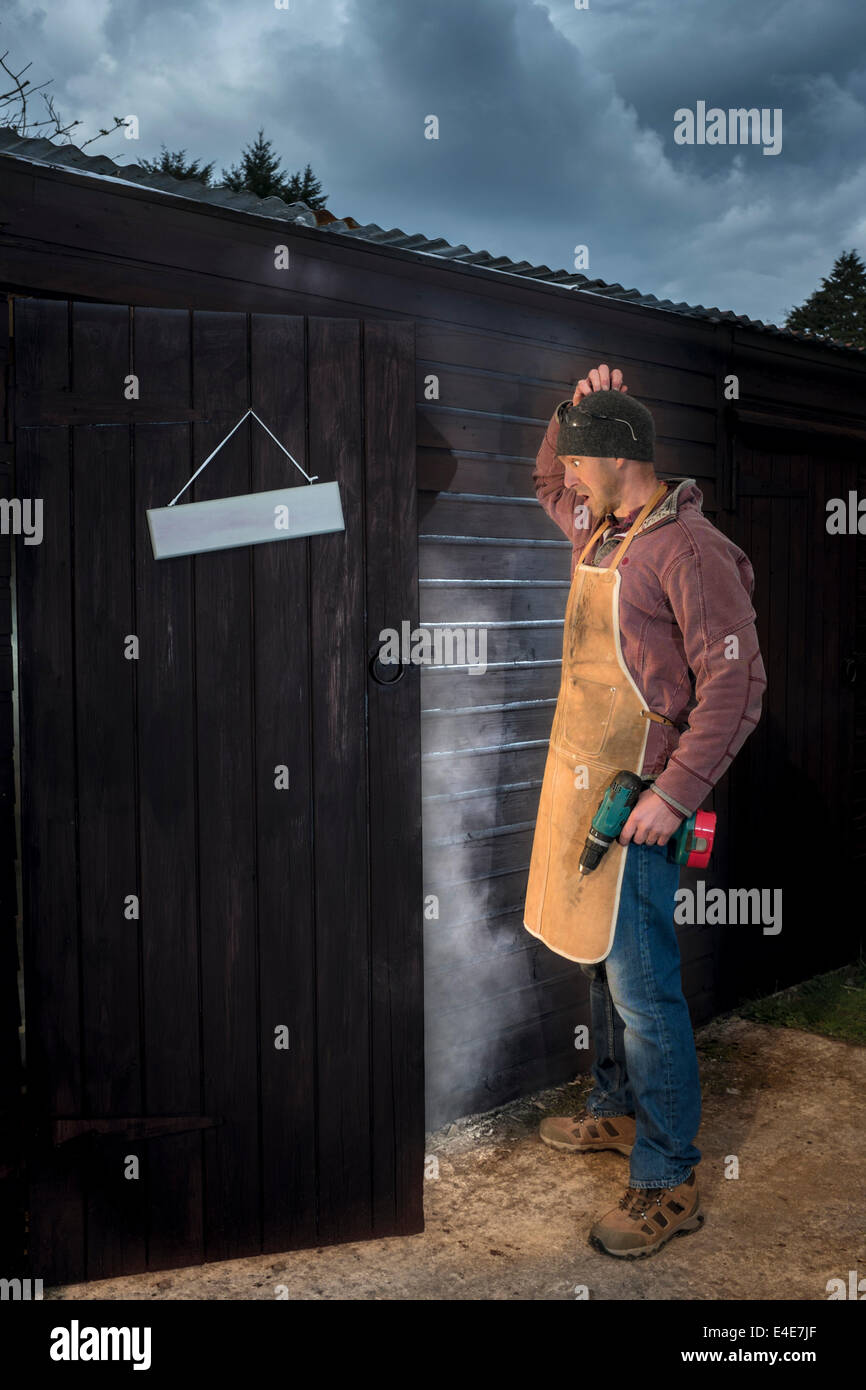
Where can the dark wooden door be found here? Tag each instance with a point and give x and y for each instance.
(185, 910)
(793, 816)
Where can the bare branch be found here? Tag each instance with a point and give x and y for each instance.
(119, 124)
(14, 108)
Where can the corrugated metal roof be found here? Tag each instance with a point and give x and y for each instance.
(42, 151)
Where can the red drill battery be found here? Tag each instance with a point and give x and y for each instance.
(692, 843)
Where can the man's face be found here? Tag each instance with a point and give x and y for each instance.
(599, 478)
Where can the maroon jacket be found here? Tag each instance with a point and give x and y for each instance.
(685, 591)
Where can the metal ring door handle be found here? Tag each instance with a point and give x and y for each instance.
(386, 673)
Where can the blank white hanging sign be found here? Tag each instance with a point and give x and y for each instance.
(193, 528)
(250, 519)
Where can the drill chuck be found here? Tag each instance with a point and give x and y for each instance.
(613, 812)
(593, 850)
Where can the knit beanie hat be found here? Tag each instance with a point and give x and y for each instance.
(606, 424)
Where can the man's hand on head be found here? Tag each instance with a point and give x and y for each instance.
(601, 378)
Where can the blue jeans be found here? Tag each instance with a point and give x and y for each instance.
(645, 1058)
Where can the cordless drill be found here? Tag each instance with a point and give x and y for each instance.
(691, 843)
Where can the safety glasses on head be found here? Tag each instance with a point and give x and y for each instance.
(578, 419)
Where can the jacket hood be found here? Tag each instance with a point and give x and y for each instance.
(685, 496)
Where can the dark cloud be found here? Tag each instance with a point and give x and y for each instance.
(556, 125)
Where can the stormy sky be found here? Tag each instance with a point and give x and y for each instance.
(556, 125)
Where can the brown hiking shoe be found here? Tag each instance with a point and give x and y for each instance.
(586, 1132)
(647, 1218)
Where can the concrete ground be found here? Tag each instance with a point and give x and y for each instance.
(507, 1217)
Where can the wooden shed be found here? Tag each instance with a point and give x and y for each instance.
(228, 1011)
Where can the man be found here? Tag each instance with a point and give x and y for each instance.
(683, 632)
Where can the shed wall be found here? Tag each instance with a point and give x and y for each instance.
(500, 1009)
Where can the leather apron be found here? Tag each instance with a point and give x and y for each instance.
(600, 727)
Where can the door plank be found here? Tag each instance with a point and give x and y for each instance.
(339, 681)
(167, 785)
(226, 804)
(287, 958)
(394, 784)
(48, 800)
(105, 678)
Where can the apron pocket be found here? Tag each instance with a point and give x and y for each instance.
(587, 715)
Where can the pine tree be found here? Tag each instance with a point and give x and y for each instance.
(838, 308)
(178, 166)
(259, 171)
(304, 188)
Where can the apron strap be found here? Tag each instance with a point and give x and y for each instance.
(627, 540)
(641, 517)
(597, 532)
(658, 718)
